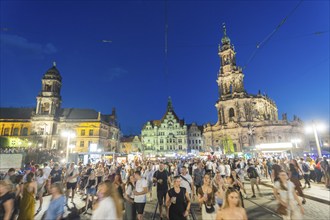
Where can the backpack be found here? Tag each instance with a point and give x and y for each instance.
(305, 167)
(253, 173)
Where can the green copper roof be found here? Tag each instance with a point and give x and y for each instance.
(225, 39)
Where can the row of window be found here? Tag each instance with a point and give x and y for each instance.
(178, 133)
(83, 132)
(195, 141)
(196, 147)
(171, 147)
(194, 135)
(15, 132)
(167, 141)
(82, 143)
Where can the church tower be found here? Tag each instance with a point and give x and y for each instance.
(49, 99)
(46, 118)
(230, 77)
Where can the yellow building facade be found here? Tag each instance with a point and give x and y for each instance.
(44, 125)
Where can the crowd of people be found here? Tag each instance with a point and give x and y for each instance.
(121, 190)
(36, 155)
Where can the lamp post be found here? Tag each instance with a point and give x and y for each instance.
(68, 135)
(295, 141)
(315, 128)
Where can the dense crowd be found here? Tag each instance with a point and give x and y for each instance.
(36, 155)
(121, 190)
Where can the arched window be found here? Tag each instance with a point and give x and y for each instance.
(25, 132)
(15, 133)
(231, 113)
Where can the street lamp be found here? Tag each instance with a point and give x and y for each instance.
(68, 135)
(314, 128)
(295, 141)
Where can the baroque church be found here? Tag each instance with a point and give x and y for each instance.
(42, 126)
(244, 119)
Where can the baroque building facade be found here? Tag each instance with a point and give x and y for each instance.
(245, 119)
(171, 135)
(42, 126)
(165, 136)
(129, 144)
(195, 138)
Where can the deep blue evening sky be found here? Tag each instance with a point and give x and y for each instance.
(130, 72)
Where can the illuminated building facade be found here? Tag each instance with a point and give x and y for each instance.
(42, 126)
(129, 144)
(165, 136)
(245, 120)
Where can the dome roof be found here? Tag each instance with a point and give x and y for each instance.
(53, 73)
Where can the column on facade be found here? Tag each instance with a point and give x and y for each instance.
(50, 107)
(38, 106)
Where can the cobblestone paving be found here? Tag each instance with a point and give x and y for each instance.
(313, 209)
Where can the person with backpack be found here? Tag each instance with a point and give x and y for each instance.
(306, 171)
(253, 176)
(187, 182)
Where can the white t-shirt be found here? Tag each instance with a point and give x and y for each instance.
(47, 171)
(105, 210)
(283, 193)
(209, 165)
(222, 169)
(139, 187)
(40, 180)
(129, 191)
(148, 174)
(185, 184)
(75, 172)
(228, 170)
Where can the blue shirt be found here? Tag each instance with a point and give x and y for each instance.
(56, 208)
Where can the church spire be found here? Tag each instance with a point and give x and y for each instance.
(169, 104)
(225, 39)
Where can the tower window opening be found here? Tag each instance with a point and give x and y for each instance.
(48, 88)
(231, 113)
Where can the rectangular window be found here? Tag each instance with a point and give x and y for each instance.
(82, 133)
(89, 143)
(179, 140)
(161, 141)
(91, 132)
(199, 141)
(82, 144)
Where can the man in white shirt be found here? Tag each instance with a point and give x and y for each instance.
(187, 182)
(148, 175)
(140, 194)
(71, 180)
(227, 170)
(47, 171)
(222, 169)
